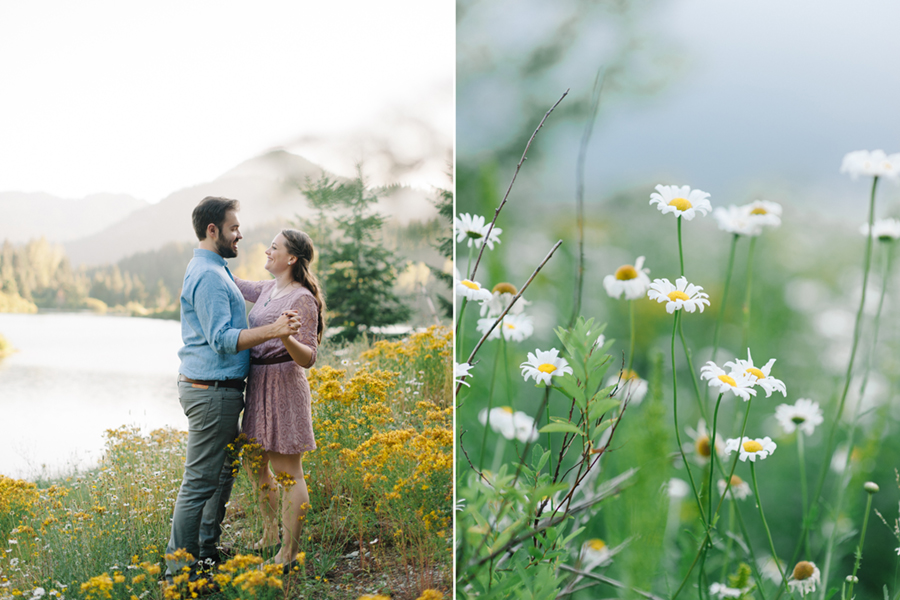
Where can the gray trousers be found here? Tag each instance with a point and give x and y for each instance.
(206, 487)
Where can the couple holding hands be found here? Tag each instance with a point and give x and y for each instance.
(223, 346)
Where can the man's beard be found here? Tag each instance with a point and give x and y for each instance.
(225, 250)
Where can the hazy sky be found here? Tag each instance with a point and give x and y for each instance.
(147, 98)
(764, 96)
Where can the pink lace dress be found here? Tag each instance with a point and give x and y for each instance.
(277, 412)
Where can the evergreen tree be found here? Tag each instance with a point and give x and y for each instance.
(358, 271)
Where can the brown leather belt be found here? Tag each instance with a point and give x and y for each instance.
(272, 360)
(235, 384)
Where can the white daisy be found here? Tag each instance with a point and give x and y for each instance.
(734, 219)
(884, 230)
(595, 553)
(677, 488)
(460, 371)
(723, 591)
(515, 328)
(764, 213)
(701, 446)
(471, 290)
(762, 374)
(510, 424)
(770, 569)
(682, 201)
(501, 296)
(544, 365)
(629, 280)
(804, 414)
(681, 295)
(739, 489)
(631, 386)
(740, 383)
(873, 163)
(473, 228)
(752, 449)
(805, 578)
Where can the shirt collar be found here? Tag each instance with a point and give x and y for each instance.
(210, 256)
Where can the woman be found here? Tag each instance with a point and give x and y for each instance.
(277, 412)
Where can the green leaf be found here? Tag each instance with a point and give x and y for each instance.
(600, 407)
(569, 386)
(602, 427)
(571, 536)
(561, 428)
(543, 461)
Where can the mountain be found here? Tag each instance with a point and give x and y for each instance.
(27, 216)
(268, 188)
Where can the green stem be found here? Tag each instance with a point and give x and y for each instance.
(677, 431)
(745, 335)
(829, 448)
(460, 329)
(690, 362)
(862, 538)
(487, 424)
(726, 562)
(680, 251)
(631, 351)
(712, 451)
(762, 515)
(718, 507)
(721, 316)
(804, 493)
(862, 392)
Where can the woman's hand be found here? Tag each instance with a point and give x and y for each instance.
(287, 324)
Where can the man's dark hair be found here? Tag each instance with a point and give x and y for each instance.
(212, 209)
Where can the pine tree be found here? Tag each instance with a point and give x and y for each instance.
(358, 271)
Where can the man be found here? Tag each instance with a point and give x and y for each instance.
(215, 360)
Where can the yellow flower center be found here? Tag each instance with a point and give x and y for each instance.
(505, 288)
(596, 544)
(681, 203)
(470, 284)
(754, 371)
(704, 448)
(735, 481)
(804, 570)
(728, 380)
(509, 325)
(752, 446)
(626, 272)
(507, 409)
(676, 295)
(628, 374)
(759, 210)
(546, 368)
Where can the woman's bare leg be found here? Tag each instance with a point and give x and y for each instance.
(294, 503)
(267, 493)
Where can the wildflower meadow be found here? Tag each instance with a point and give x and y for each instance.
(380, 489)
(668, 394)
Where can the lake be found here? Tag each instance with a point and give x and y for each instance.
(74, 376)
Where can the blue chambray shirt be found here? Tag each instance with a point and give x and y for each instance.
(212, 316)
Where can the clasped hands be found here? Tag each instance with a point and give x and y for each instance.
(288, 323)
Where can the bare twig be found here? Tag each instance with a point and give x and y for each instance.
(612, 487)
(509, 189)
(579, 191)
(608, 580)
(503, 314)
